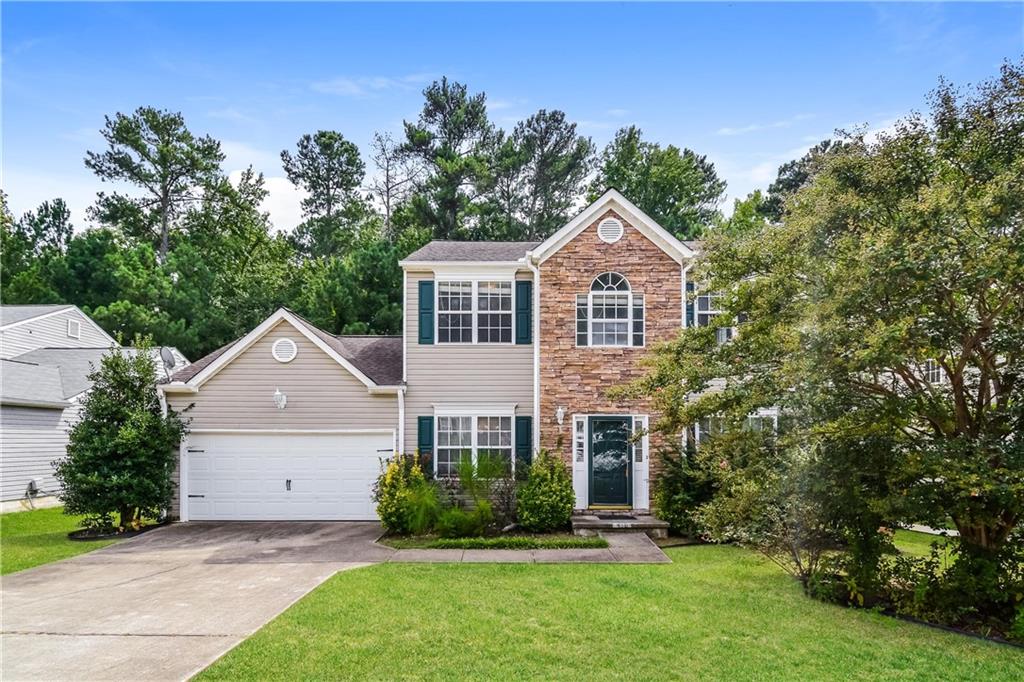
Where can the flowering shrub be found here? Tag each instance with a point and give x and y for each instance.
(546, 500)
(406, 501)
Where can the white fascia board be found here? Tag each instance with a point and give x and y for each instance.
(41, 317)
(176, 387)
(384, 390)
(467, 409)
(256, 334)
(613, 200)
(485, 266)
(25, 402)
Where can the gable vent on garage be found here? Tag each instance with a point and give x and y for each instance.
(284, 350)
(609, 230)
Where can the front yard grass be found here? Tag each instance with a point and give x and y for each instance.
(32, 538)
(914, 543)
(501, 542)
(717, 612)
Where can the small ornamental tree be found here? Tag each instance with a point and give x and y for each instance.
(121, 453)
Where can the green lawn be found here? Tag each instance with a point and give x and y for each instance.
(31, 538)
(715, 613)
(917, 544)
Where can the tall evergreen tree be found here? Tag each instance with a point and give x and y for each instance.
(153, 150)
(451, 139)
(677, 187)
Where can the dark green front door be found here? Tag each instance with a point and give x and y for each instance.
(609, 461)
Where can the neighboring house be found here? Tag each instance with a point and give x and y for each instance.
(46, 355)
(507, 347)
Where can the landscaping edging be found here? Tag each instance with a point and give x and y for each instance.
(81, 536)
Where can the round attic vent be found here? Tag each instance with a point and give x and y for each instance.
(284, 350)
(610, 230)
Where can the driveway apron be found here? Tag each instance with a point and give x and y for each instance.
(166, 604)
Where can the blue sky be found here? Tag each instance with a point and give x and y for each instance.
(750, 85)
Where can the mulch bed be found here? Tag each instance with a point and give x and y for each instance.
(89, 534)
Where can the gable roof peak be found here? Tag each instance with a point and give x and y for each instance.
(613, 199)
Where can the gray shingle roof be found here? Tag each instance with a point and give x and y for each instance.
(9, 314)
(441, 251)
(28, 383)
(696, 245)
(378, 357)
(75, 364)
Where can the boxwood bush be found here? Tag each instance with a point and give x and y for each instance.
(545, 501)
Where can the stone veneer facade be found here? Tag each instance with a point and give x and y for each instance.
(578, 379)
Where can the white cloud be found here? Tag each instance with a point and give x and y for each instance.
(27, 188)
(617, 113)
(241, 155)
(755, 127)
(365, 86)
(283, 201)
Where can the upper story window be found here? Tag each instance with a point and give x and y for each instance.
(610, 314)
(933, 372)
(74, 329)
(474, 311)
(709, 306)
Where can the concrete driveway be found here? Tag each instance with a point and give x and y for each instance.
(166, 604)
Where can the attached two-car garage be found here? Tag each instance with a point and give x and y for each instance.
(289, 423)
(283, 476)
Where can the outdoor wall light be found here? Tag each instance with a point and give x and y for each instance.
(560, 414)
(280, 399)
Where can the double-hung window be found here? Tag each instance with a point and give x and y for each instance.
(473, 439)
(933, 372)
(471, 311)
(611, 314)
(709, 306)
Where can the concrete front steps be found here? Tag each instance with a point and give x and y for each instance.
(598, 522)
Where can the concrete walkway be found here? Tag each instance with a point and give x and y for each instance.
(623, 548)
(166, 604)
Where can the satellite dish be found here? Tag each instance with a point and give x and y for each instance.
(168, 357)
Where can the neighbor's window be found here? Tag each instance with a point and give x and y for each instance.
(474, 312)
(611, 314)
(471, 439)
(708, 428)
(74, 329)
(933, 372)
(708, 308)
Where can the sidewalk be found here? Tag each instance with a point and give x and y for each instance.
(623, 548)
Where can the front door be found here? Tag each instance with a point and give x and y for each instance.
(610, 461)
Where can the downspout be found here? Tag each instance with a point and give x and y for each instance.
(536, 349)
(400, 445)
(686, 270)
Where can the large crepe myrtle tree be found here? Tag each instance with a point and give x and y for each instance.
(122, 451)
(885, 317)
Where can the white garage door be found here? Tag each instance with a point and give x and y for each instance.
(300, 476)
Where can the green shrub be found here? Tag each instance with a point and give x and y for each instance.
(461, 523)
(679, 490)
(545, 502)
(406, 501)
(121, 454)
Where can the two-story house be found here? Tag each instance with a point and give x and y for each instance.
(507, 347)
(46, 355)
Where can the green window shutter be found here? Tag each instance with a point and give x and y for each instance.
(690, 319)
(524, 439)
(425, 440)
(426, 311)
(524, 312)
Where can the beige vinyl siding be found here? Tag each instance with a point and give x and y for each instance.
(460, 373)
(321, 393)
(30, 439)
(50, 332)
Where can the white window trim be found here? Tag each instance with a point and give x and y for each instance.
(590, 322)
(77, 326)
(713, 312)
(475, 416)
(474, 310)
